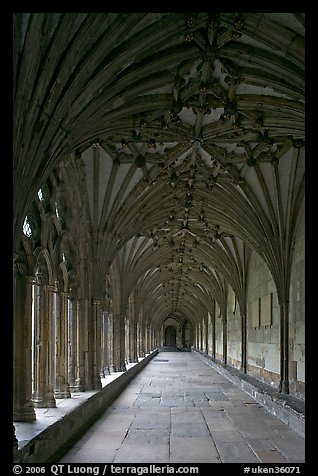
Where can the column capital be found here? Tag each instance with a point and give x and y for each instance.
(64, 294)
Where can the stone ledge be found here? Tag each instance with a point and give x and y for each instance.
(287, 408)
(40, 440)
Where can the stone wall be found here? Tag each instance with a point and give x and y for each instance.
(297, 315)
(234, 331)
(263, 324)
(218, 334)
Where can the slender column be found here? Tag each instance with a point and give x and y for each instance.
(107, 337)
(104, 363)
(102, 345)
(23, 408)
(119, 343)
(72, 344)
(146, 337)
(110, 341)
(224, 322)
(213, 330)
(284, 351)
(79, 336)
(96, 344)
(244, 343)
(133, 341)
(207, 335)
(152, 339)
(127, 351)
(86, 338)
(43, 388)
(142, 340)
(62, 388)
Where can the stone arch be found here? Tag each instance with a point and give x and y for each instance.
(43, 267)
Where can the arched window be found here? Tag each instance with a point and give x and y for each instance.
(27, 230)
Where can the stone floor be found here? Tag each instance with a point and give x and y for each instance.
(180, 410)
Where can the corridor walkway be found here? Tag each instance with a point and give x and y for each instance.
(180, 410)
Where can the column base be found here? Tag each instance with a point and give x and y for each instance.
(62, 394)
(76, 388)
(97, 383)
(121, 368)
(44, 403)
(26, 414)
(284, 386)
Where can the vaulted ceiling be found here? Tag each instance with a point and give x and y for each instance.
(190, 129)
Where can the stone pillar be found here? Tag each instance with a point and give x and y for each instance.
(146, 337)
(119, 343)
(85, 345)
(110, 343)
(284, 350)
(141, 340)
(244, 343)
(96, 315)
(131, 340)
(224, 322)
(127, 341)
(207, 335)
(104, 364)
(79, 342)
(23, 408)
(102, 345)
(152, 340)
(43, 396)
(72, 347)
(62, 388)
(197, 336)
(213, 330)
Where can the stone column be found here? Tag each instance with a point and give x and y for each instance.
(43, 395)
(224, 322)
(284, 350)
(141, 340)
(207, 335)
(96, 315)
(104, 363)
(213, 328)
(62, 388)
(133, 356)
(72, 344)
(151, 340)
(110, 341)
(197, 336)
(146, 337)
(127, 340)
(78, 351)
(85, 367)
(23, 408)
(102, 345)
(119, 343)
(244, 343)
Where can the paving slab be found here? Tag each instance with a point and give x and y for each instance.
(178, 409)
